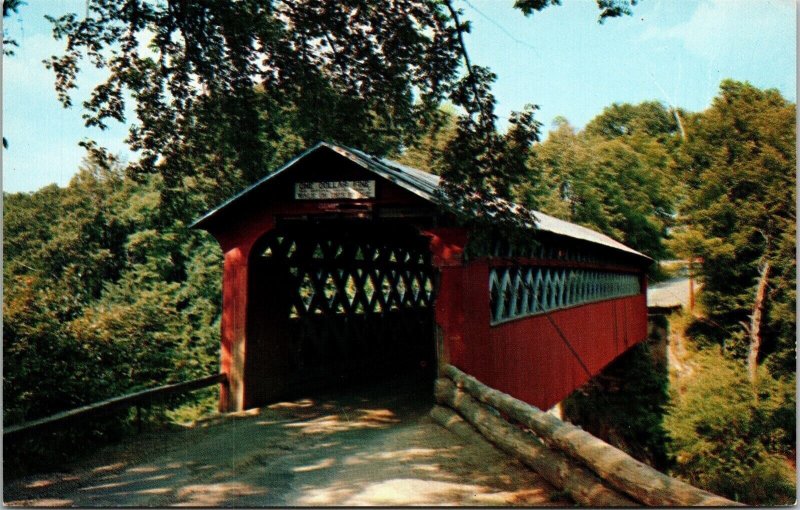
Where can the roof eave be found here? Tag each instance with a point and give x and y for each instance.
(371, 164)
(422, 188)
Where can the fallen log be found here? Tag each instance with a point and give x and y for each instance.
(577, 481)
(620, 470)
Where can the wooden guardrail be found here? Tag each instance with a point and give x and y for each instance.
(131, 399)
(593, 472)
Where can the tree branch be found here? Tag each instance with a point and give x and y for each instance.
(465, 55)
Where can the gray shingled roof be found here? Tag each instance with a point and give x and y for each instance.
(425, 185)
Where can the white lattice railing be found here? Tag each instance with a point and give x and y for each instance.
(520, 291)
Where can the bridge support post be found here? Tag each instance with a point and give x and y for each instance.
(446, 245)
(234, 321)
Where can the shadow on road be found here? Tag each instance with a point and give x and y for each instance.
(371, 445)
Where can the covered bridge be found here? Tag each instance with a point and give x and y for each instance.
(339, 265)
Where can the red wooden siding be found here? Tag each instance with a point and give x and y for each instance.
(526, 357)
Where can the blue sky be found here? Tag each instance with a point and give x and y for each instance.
(674, 51)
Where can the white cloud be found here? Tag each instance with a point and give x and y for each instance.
(724, 27)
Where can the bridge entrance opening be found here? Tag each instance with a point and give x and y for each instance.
(338, 301)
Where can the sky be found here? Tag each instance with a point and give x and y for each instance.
(562, 59)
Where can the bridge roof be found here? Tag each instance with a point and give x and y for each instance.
(424, 185)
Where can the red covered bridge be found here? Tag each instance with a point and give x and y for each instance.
(339, 265)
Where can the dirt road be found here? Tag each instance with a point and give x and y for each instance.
(670, 293)
(373, 446)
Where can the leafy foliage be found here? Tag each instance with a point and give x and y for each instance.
(99, 300)
(617, 175)
(240, 75)
(608, 8)
(725, 440)
(433, 144)
(720, 188)
(243, 75)
(740, 213)
(481, 168)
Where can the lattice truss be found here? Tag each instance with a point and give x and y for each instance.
(529, 290)
(351, 275)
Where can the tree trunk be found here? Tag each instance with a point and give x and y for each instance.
(452, 421)
(691, 286)
(620, 470)
(755, 323)
(577, 481)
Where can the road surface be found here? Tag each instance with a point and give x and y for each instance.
(374, 446)
(670, 293)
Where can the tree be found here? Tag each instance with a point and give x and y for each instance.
(100, 299)
(559, 173)
(62, 246)
(616, 176)
(422, 153)
(649, 118)
(742, 205)
(238, 74)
